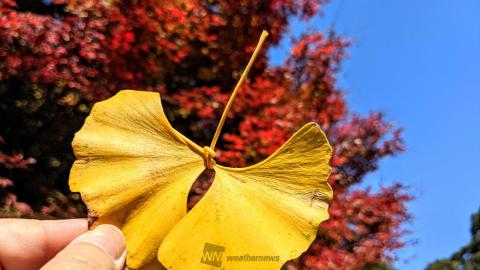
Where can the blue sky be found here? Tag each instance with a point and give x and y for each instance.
(419, 62)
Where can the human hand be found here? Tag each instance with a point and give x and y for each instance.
(59, 244)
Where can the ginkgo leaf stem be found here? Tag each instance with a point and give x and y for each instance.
(235, 90)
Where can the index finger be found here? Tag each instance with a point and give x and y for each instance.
(28, 243)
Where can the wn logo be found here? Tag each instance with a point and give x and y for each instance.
(212, 255)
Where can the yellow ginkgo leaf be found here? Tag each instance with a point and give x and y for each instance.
(135, 171)
(271, 209)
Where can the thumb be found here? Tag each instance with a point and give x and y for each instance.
(100, 249)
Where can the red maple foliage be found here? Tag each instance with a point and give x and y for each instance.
(8, 200)
(58, 57)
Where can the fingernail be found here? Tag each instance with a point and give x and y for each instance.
(108, 237)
